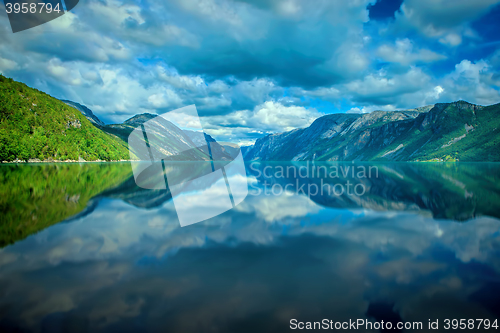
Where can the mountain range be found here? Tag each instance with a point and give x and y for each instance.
(458, 131)
(37, 127)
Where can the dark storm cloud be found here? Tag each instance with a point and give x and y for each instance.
(282, 58)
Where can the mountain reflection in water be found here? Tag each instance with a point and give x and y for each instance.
(421, 243)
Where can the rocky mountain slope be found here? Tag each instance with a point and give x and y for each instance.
(164, 138)
(218, 152)
(86, 112)
(445, 131)
(167, 139)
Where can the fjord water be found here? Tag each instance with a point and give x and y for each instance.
(86, 250)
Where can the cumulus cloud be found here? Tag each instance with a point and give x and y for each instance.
(472, 81)
(275, 116)
(476, 82)
(404, 53)
(179, 81)
(279, 208)
(379, 88)
(269, 117)
(164, 99)
(7, 64)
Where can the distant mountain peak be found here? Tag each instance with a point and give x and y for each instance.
(85, 111)
(426, 108)
(464, 105)
(139, 119)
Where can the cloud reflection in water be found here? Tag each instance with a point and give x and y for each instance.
(272, 259)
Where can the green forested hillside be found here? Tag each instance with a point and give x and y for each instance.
(457, 131)
(34, 125)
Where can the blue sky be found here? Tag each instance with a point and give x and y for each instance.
(263, 66)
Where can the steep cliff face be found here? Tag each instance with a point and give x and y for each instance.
(446, 131)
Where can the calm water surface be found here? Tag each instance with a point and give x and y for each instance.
(85, 250)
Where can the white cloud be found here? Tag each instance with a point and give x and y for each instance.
(7, 64)
(278, 208)
(164, 99)
(117, 95)
(438, 90)
(379, 87)
(180, 81)
(289, 8)
(476, 82)
(67, 37)
(275, 116)
(64, 72)
(269, 117)
(473, 82)
(405, 53)
(452, 39)
(371, 108)
(357, 110)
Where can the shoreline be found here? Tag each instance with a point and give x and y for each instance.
(34, 161)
